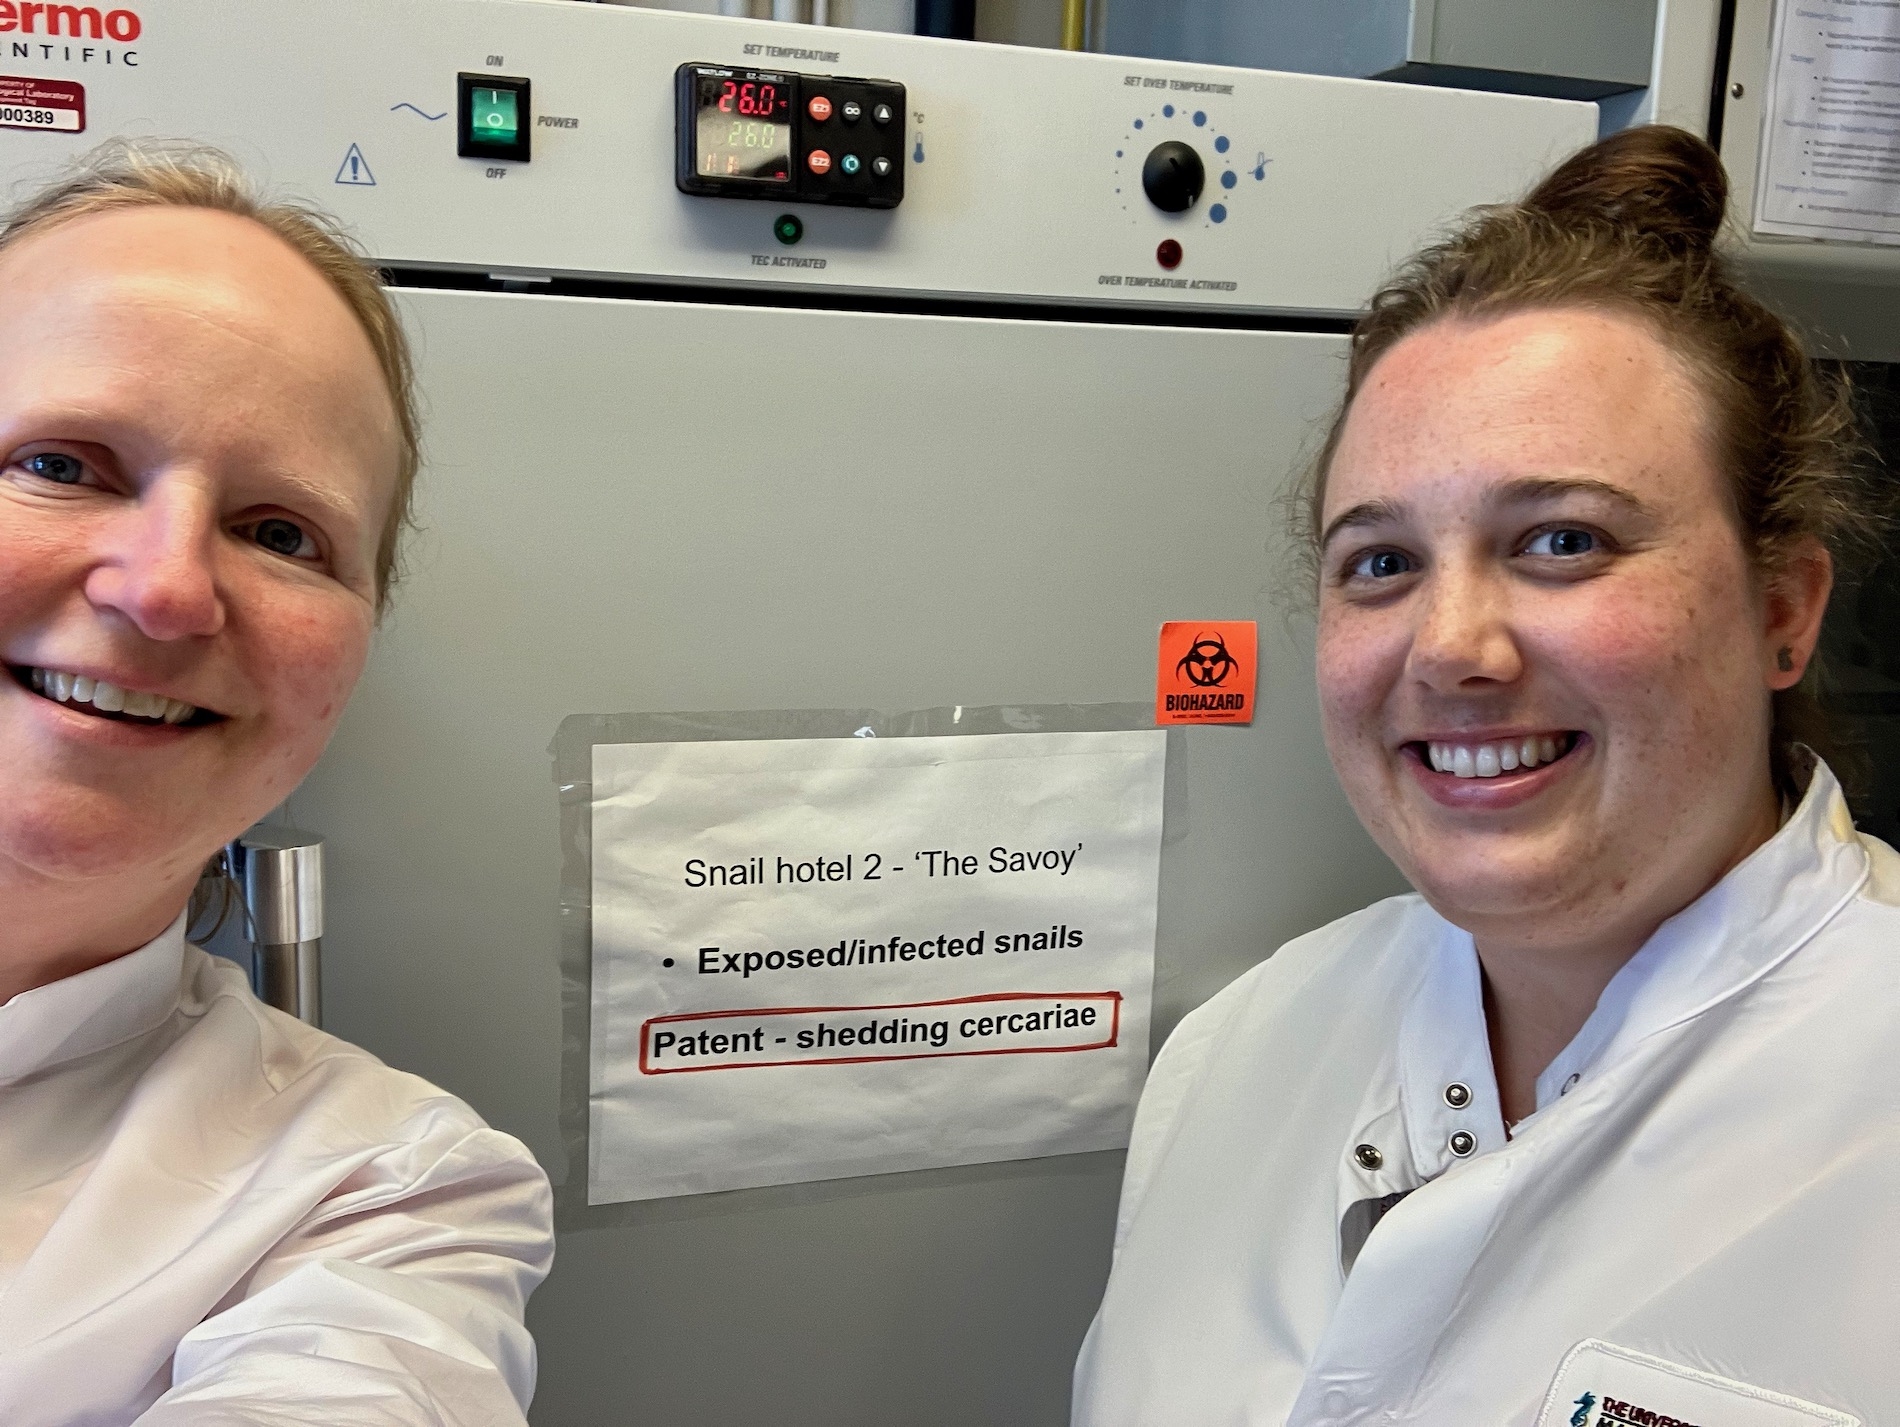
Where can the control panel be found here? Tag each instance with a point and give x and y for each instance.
(809, 138)
(520, 141)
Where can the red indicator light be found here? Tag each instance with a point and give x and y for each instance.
(818, 161)
(819, 108)
(1169, 253)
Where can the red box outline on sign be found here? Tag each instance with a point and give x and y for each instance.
(1114, 1030)
(75, 100)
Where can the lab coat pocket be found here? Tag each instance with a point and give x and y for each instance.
(1601, 1385)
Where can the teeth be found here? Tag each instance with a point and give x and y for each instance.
(107, 697)
(1488, 760)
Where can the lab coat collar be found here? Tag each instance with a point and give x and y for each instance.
(1446, 1082)
(1738, 931)
(102, 1007)
(1769, 906)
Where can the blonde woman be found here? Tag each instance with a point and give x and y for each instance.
(209, 1213)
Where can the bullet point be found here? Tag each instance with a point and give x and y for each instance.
(667, 962)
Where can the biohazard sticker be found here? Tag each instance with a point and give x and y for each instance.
(50, 104)
(1206, 672)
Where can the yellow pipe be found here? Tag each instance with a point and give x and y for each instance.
(1075, 24)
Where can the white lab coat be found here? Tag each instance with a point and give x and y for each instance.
(213, 1215)
(1711, 1179)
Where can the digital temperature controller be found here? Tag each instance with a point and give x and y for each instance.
(804, 138)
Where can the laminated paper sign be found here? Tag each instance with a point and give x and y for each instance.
(1830, 151)
(824, 957)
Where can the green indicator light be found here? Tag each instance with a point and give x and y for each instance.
(494, 117)
(788, 229)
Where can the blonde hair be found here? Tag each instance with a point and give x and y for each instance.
(126, 174)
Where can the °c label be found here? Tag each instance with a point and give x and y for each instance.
(1206, 671)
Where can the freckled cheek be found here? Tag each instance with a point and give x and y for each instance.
(1643, 665)
(1360, 656)
(313, 660)
(39, 563)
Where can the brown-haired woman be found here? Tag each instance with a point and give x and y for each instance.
(1600, 1126)
(209, 1213)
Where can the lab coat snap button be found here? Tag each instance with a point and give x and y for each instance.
(1457, 1095)
(1462, 1143)
(1368, 1156)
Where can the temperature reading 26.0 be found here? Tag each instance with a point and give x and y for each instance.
(742, 126)
(757, 100)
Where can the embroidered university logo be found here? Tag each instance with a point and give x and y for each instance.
(1581, 1417)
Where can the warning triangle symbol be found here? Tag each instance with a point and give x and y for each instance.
(355, 169)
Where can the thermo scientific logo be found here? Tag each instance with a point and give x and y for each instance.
(72, 22)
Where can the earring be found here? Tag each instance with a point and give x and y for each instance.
(1784, 660)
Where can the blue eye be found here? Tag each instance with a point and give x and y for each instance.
(1565, 542)
(56, 466)
(1382, 564)
(283, 537)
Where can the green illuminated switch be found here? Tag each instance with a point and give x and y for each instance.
(493, 117)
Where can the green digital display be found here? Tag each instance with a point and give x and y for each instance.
(495, 117)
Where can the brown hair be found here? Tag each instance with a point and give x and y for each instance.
(1630, 224)
(124, 174)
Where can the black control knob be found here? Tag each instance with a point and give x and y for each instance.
(1173, 177)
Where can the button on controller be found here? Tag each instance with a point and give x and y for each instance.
(819, 108)
(818, 161)
(851, 111)
(881, 115)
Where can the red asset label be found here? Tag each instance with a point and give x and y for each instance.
(50, 104)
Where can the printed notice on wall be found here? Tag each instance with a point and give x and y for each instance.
(816, 958)
(1830, 162)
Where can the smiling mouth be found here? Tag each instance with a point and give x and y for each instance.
(1496, 757)
(108, 701)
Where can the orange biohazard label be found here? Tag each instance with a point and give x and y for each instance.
(1206, 671)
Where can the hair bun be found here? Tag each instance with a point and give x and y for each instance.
(1654, 180)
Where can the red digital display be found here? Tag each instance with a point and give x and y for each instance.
(743, 128)
(754, 99)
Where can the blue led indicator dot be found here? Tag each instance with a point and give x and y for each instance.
(1200, 118)
(1167, 111)
(1137, 123)
(1220, 144)
(1218, 213)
